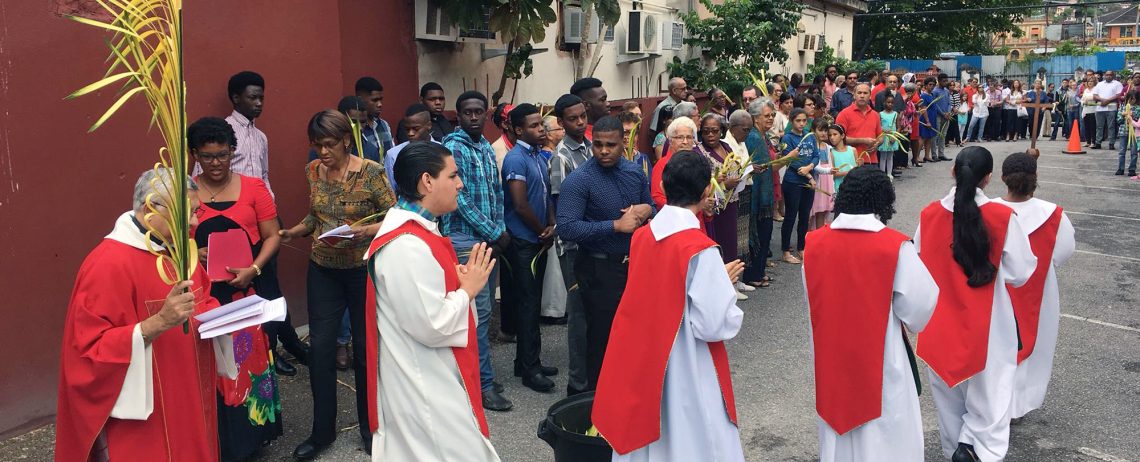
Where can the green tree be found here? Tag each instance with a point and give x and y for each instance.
(1068, 48)
(609, 12)
(926, 35)
(741, 36)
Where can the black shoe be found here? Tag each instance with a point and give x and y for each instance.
(947, 159)
(538, 382)
(1097, 146)
(498, 387)
(366, 442)
(1111, 147)
(308, 450)
(573, 391)
(492, 400)
(548, 371)
(284, 368)
(1131, 173)
(965, 453)
(552, 321)
(1120, 172)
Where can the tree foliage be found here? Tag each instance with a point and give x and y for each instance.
(925, 36)
(826, 56)
(741, 36)
(1070, 48)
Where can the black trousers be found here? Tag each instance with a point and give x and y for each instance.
(330, 292)
(953, 133)
(797, 207)
(602, 282)
(993, 129)
(759, 246)
(1090, 128)
(522, 296)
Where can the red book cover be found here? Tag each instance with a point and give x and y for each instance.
(227, 249)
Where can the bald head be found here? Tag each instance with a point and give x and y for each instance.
(677, 88)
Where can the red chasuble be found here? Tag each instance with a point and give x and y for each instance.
(1027, 298)
(627, 404)
(466, 358)
(956, 340)
(849, 319)
(118, 287)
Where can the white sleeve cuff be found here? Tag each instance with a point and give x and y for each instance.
(224, 356)
(136, 397)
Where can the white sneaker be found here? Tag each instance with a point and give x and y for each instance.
(741, 297)
(742, 287)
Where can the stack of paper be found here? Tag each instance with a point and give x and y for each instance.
(231, 317)
(337, 234)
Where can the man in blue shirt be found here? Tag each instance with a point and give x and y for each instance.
(416, 126)
(478, 219)
(529, 215)
(941, 108)
(601, 204)
(845, 96)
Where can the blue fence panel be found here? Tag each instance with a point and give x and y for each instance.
(1110, 60)
(974, 62)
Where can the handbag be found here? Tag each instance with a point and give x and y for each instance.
(1022, 113)
(553, 288)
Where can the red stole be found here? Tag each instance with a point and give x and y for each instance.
(466, 358)
(956, 340)
(849, 319)
(116, 288)
(1027, 298)
(627, 405)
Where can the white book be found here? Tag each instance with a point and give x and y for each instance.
(232, 317)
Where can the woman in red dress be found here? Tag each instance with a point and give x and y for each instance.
(249, 407)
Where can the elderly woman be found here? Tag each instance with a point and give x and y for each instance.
(683, 110)
(343, 189)
(248, 416)
(682, 137)
(726, 169)
(763, 198)
(554, 135)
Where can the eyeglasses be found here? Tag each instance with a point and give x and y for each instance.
(682, 137)
(209, 157)
(710, 130)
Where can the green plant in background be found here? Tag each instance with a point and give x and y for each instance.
(827, 56)
(739, 37)
(146, 59)
(924, 36)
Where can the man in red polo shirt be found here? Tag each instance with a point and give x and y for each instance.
(862, 124)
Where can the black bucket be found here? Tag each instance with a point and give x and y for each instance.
(564, 429)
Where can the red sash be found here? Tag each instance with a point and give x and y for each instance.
(956, 340)
(1027, 298)
(849, 319)
(466, 358)
(627, 405)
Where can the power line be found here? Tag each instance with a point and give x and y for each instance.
(1047, 5)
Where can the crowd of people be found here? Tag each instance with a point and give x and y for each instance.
(440, 215)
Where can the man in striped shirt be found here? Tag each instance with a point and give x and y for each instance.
(246, 90)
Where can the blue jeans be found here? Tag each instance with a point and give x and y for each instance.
(344, 334)
(1132, 163)
(975, 130)
(1075, 115)
(484, 303)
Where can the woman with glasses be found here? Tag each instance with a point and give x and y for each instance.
(726, 170)
(343, 189)
(249, 407)
(681, 136)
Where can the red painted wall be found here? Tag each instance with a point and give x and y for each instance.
(61, 188)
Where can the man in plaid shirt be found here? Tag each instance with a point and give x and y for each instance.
(478, 219)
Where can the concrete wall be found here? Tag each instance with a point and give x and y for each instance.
(818, 18)
(61, 188)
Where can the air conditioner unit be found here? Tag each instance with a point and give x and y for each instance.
(672, 35)
(432, 23)
(574, 20)
(641, 32)
(807, 42)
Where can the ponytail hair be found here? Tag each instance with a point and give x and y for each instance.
(971, 239)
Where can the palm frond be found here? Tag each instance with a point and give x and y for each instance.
(146, 58)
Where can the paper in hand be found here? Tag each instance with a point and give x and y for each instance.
(337, 234)
(744, 179)
(242, 313)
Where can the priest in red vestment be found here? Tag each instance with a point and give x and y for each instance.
(132, 385)
(665, 389)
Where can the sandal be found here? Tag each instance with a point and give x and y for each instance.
(771, 264)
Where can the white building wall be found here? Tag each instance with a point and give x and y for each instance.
(459, 66)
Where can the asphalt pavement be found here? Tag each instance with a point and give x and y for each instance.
(1092, 411)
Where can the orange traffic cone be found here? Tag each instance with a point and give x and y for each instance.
(1075, 140)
